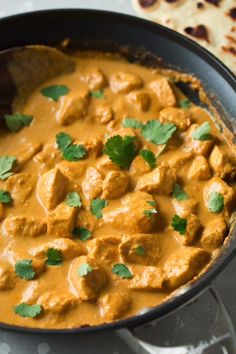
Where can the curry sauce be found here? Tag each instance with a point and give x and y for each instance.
(115, 190)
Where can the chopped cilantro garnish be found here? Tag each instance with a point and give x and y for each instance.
(185, 103)
(54, 257)
(63, 140)
(121, 270)
(99, 94)
(149, 157)
(179, 224)
(96, 207)
(82, 233)
(74, 152)
(25, 310)
(216, 202)
(132, 123)
(5, 197)
(55, 91)
(179, 193)
(203, 132)
(140, 251)
(158, 133)
(120, 150)
(16, 122)
(152, 202)
(84, 269)
(150, 212)
(73, 200)
(6, 166)
(24, 269)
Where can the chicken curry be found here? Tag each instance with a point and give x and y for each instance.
(115, 190)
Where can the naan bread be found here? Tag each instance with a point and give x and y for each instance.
(211, 23)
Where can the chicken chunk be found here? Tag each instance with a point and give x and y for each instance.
(23, 226)
(48, 157)
(68, 248)
(72, 108)
(177, 116)
(216, 184)
(124, 82)
(51, 188)
(131, 216)
(92, 183)
(86, 286)
(160, 180)
(139, 166)
(93, 146)
(140, 100)
(198, 147)
(184, 265)
(146, 278)
(103, 113)
(72, 170)
(87, 220)
(7, 277)
(61, 221)
(114, 305)
(104, 248)
(115, 184)
(178, 158)
(214, 233)
(105, 165)
(26, 151)
(140, 249)
(123, 132)
(185, 207)
(192, 230)
(20, 186)
(94, 78)
(1, 211)
(56, 303)
(164, 92)
(199, 168)
(222, 164)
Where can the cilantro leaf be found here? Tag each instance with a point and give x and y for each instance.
(158, 133)
(121, 270)
(25, 310)
(16, 122)
(179, 193)
(203, 132)
(216, 202)
(97, 205)
(132, 123)
(24, 269)
(149, 157)
(54, 257)
(140, 251)
(150, 212)
(6, 165)
(84, 269)
(99, 94)
(179, 224)
(73, 200)
(5, 197)
(74, 152)
(55, 91)
(63, 140)
(120, 150)
(152, 202)
(82, 233)
(185, 103)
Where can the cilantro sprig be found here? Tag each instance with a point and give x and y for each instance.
(120, 150)
(73, 200)
(6, 165)
(97, 205)
(70, 152)
(99, 94)
(179, 193)
(16, 122)
(132, 123)
(158, 133)
(122, 271)
(149, 157)
(54, 257)
(54, 92)
(140, 251)
(30, 311)
(216, 202)
(202, 133)
(185, 103)
(63, 140)
(82, 233)
(5, 197)
(179, 224)
(84, 269)
(150, 212)
(24, 269)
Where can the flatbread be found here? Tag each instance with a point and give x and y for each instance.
(211, 23)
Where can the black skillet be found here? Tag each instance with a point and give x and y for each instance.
(132, 36)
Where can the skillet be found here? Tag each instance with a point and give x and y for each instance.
(111, 31)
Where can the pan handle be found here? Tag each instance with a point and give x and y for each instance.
(221, 337)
